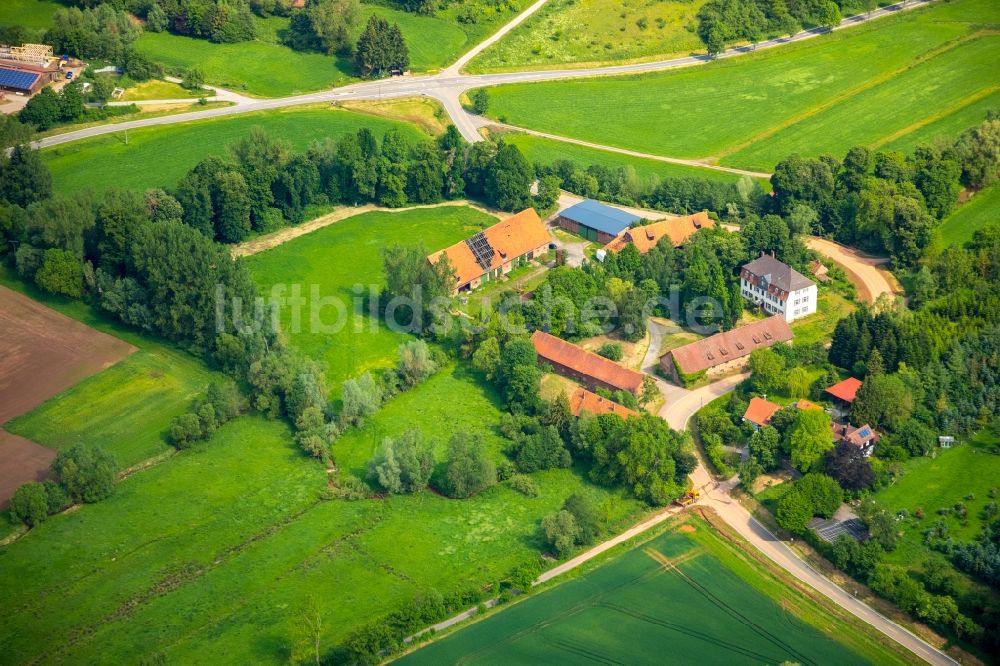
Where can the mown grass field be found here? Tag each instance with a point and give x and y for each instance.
(125, 409)
(982, 210)
(35, 15)
(156, 89)
(687, 593)
(540, 150)
(873, 83)
(831, 307)
(349, 253)
(160, 156)
(574, 32)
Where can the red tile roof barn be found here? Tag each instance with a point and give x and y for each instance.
(730, 345)
(845, 390)
(509, 239)
(559, 352)
(583, 400)
(645, 237)
(760, 411)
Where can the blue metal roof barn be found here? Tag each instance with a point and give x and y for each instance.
(595, 215)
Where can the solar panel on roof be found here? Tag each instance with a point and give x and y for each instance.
(865, 432)
(12, 78)
(481, 249)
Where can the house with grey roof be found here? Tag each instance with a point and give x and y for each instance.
(777, 288)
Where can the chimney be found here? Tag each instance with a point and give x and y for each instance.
(772, 253)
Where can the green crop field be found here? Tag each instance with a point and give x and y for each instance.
(348, 253)
(160, 156)
(574, 32)
(687, 594)
(982, 210)
(211, 555)
(540, 150)
(823, 95)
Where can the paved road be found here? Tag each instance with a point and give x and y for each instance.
(450, 83)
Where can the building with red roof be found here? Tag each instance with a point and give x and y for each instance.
(846, 390)
(760, 411)
(585, 367)
(645, 237)
(583, 401)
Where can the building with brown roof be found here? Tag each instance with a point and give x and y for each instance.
(778, 288)
(864, 438)
(585, 367)
(724, 351)
(645, 238)
(760, 411)
(496, 251)
(583, 401)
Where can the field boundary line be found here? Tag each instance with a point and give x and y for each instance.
(693, 163)
(940, 115)
(846, 95)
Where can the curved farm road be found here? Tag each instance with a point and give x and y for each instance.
(865, 272)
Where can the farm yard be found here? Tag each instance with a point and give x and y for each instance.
(580, 32)
(345, 254)
(822, 95)
(688, 593)
(160, 156)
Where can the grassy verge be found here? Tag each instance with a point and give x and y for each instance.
(160, 156)
(156, 89)
(146, 111)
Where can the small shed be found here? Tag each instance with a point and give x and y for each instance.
(946, 441)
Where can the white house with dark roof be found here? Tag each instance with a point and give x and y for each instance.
(778, 288)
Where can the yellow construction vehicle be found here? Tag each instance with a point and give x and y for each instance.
(690, 497)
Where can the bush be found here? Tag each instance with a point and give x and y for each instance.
(524, 485)
(469, 469)
(561, 531)
(29, 505)
(480, 101)
(611, 350)
(87, 472)
(402, 464)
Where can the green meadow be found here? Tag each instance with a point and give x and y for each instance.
(212, 555)
(867, 84)
(35, 15)
(575, 32)
(160, 156)
(982, 210)
(688, 593)
(340, 256)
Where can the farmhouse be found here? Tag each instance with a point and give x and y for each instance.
(583, 401)
(586, 367)
(496, 251)
(864, 437)
(759, 412)
(595, 221)
(724, 351)
(645, 237)
(778, 288)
